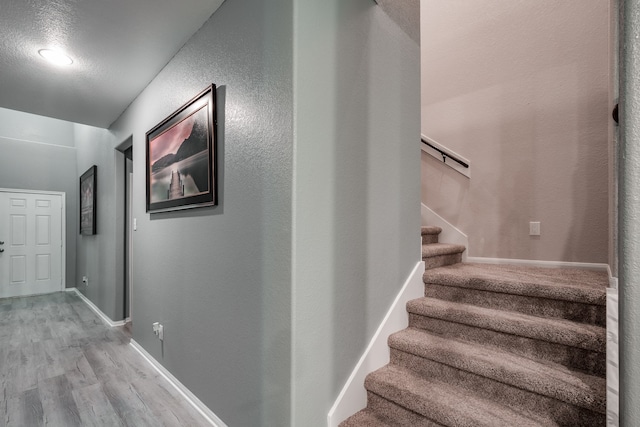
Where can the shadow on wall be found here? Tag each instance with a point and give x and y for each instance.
(376, 209)
(443, 190)
(519, 90)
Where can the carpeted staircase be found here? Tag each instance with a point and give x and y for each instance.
(494, 345)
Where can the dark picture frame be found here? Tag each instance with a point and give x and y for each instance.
(88, 186)
(181, 157)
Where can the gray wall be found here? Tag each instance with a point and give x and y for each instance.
(357, 190)
(98, 255)
(219, 279)
(38, 154)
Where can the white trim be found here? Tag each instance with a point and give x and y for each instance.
(95, 309)
(539, 263)
(15, 190)
(184, 391)
(613, 359)
(63, 253)
(438, 156)
(38, 142)
(353, 396)
(613, 281)
(449, 234)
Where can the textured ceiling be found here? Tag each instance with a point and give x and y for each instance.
(118, 46)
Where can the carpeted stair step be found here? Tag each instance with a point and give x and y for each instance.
(441, 254)
(367, 418)
(547, 389)
(578, 346)
(572, 294)
(405, 394)
(430, 234)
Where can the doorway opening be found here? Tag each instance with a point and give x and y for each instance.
(124, 227)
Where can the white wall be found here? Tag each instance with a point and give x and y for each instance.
(356, 199)
(520, 88)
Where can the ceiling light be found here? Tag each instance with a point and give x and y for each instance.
(55, 57)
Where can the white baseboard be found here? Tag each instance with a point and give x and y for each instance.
(613, 281)
(180, 388)
(95, 309)
(613, 372)
(353, 396)
(539, 263)
(449, 234)
(185, 392)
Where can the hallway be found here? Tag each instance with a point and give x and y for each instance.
(60, 365)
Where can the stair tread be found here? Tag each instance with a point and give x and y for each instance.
(430, 229)
(559, 331)
(546, 378)
(366, 418)
(441, 402)
(567, 284)
(436, 249)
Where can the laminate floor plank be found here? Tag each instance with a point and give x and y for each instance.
(77, 369)
(24, 410)
(128, 403)
(58, 405)
(165, 400)
(95, 407)
(49, 360)
(61, 366)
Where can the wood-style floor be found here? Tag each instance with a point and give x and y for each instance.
(61, 366)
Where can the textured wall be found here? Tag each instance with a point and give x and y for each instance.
(38, 154)
(614, 133)
(219, 278)
(98, 255)
(356, 195)
(520, 88)
(629, 215)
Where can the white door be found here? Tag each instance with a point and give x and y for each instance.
(31, 243)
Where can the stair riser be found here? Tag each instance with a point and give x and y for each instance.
(543, 307)
(428, 239)
(590, 362)
(394, 411)
(548, 410)
(441, 260)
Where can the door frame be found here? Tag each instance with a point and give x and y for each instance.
(121, 229)
(63, 217)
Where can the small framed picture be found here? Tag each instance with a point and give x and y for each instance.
(88, 201)
(181, 157)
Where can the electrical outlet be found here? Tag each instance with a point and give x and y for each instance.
(85, 280)
(534, 228)
(158, 330)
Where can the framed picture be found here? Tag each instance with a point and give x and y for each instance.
(88, 201)
(181, 157)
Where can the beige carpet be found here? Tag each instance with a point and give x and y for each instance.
(494, 345)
